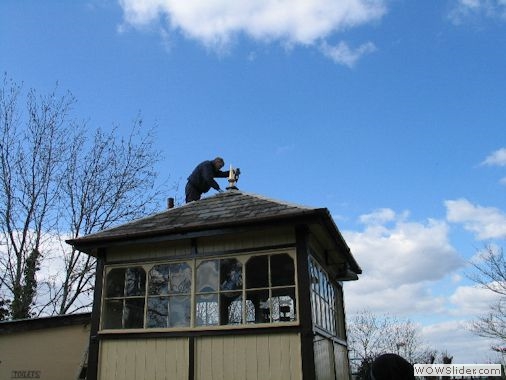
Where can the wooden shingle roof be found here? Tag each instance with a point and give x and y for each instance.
(228, 209)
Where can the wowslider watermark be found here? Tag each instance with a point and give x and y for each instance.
(457, 369)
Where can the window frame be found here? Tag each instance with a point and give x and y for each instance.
(327, 306)
(193, 262)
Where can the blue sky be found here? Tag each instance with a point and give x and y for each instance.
(390, 113)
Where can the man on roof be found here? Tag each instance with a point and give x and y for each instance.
(202, 178)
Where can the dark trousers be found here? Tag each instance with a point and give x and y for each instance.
(192, 194)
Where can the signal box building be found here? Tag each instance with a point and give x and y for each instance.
(233, 286)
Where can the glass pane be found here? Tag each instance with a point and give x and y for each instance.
(332, 322)
(135, 281)
(230, 274)
(332, 296)
(250, 312)
(133, 313)
(231, 308)
(282, 270)
(179, 311)
(257, 272)
(259, 310)
(314, 276)
(324, 315)
(321, 285)
(115, 283)
(180, 278)
(283, 305)
(159, 280)
(206, 310)
(158, 312)
(113, 314)
(316, 280)
(327, 289)
(320, 311)
(208, 276)
(313, 306)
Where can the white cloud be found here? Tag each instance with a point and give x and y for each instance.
(345, 55)
(466, 303)
(455, 337)
(484, 222)
(379, 216)
(398, 262)
(408, 300)
(473, 301)
(411, 270)
(404, 253)
(216, 23)
(465, 10)
(497, 158)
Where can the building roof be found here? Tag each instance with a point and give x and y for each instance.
(228, 209)
(55, 321)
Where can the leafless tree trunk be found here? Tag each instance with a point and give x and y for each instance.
(58, 182)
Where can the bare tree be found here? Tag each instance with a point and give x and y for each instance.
(370, 335)
(365, 336)
(112, 182)
(30, 161)
(57, 183)
(490, 273)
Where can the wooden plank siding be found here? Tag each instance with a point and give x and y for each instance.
(324, 359)
(342, 361)
(257, 239)
(253, 357)
(120, 254)
(144, 359)
(207, 245)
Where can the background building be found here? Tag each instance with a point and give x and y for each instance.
(45, 348)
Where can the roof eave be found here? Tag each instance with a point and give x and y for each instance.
(88, 243)
(339, 240)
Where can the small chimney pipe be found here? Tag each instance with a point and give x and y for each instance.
(170, 203)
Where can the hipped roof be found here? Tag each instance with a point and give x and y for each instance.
(224, 210)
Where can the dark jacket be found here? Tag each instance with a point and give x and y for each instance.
(202, 177)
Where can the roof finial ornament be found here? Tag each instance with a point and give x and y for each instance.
(233, 177)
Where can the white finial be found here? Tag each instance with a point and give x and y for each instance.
(232, 179)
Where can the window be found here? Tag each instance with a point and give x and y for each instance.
(325, 300)
(270, 288)
(232, 290)
(218, 296)
(169, 295)
(124, 298)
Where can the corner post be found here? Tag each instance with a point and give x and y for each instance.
(304, 289)
(93, 350)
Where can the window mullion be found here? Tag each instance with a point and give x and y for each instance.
(193, 293)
